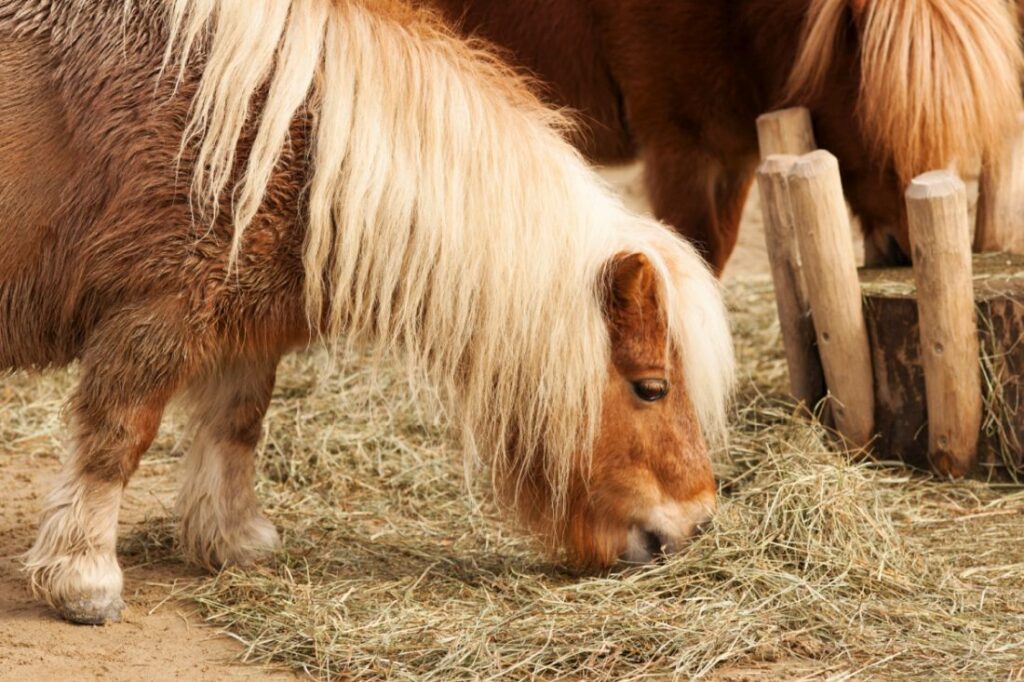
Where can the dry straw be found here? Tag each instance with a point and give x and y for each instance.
(818, 567)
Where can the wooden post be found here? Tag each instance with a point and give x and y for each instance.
(826, 250)
(1000, 220)
(786, 131)
(806, 380)
(939, 228)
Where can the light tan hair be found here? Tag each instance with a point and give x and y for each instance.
(939, 79)
(448, 220)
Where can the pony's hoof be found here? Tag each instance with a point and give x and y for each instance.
(263, 539)
(258, 541)
(204, 544)
(92, 611)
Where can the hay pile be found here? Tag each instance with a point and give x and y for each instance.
(817, 566)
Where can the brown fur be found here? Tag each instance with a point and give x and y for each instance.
(113, 270)
(631, 475)
(637, 476)
(682, 82)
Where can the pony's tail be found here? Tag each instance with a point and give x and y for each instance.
(939, 79)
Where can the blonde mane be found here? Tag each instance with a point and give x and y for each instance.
(448, 221)
(940, 79)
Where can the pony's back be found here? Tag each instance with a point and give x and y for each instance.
(559, 45)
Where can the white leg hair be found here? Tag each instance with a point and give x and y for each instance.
(73, 563)
(221, 522)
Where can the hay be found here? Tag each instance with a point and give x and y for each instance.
(1001, 401)
(817, 567)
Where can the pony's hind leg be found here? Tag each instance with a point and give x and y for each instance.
(129, 370)
(221, 522)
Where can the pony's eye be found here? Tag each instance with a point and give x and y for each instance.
(650, 390)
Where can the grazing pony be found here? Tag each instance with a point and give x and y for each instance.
(895, 88)
(191, 188)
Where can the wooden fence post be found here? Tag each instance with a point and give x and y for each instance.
(1000, 221)
(785, 131)
(941, 249)
(806, 379)
(826, 251)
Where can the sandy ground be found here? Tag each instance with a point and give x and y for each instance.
(162, 638)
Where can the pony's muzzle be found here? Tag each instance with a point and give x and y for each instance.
(668, 529)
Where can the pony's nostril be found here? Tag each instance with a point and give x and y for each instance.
(654, 543)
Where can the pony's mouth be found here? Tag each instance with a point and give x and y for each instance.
(644, 545)
(669, 529)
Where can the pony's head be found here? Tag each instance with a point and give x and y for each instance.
(933, 83)
(650, 485)
(644, 486)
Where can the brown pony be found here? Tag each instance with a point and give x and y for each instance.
(190, 189)
(895, 88)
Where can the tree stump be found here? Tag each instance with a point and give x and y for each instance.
(891, 312)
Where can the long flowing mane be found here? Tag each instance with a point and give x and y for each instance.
(940, 79)
(448, 221)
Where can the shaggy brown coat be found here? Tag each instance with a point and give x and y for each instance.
(679, 84)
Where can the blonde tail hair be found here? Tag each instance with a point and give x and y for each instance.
(939, 79)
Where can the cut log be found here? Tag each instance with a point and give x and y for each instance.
(806, 378)
(941, 248)
(1000, 220)
(785, 131)
(901, 415)
(826, 251)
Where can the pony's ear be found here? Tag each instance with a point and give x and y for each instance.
(632, 287)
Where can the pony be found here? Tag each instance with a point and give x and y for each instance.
(190, 189)
(895, 88)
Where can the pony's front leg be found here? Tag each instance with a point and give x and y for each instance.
(129, 371)
(221, 522)
(73, 563)
(697, 191)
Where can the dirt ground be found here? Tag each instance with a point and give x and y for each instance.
(162, 638)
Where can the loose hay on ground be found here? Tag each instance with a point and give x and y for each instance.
(817, 566)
